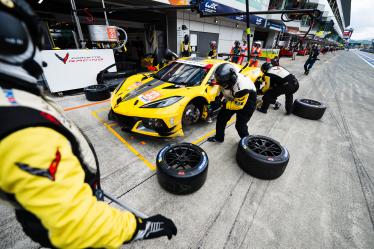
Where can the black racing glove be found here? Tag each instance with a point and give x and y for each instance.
(154, 227)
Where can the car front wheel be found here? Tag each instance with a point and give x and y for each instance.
(191, 114)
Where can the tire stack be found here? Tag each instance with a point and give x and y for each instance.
(97, 92)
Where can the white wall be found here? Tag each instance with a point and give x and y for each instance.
(226, 29)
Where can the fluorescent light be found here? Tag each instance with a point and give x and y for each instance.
(40, 1)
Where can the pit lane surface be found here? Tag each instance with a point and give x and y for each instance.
(325, 198)
(367, 57)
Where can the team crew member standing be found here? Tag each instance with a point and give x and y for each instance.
(186, 49)
(48, 169)
(213, 50)
(256, 52)
(235, 52)
(313, 57)
(281, 82)
(240, 99)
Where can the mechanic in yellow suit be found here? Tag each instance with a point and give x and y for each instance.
(48, 169)
(240, 97)
(186, 49)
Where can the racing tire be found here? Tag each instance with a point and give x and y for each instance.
(191, 114)
(308, 108)
(97, 92)
(262, 157)
(182, 168)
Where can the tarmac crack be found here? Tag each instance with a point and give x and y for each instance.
(254, 215)
(220, 211)
(237, 215)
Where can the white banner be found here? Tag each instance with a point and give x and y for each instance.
(74, 69)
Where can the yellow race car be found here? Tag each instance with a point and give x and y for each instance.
(159, 104)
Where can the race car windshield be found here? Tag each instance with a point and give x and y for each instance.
(182, 74)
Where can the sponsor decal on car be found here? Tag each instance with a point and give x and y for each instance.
(149, 96)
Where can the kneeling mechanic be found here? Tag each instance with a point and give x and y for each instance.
(48, 170)
(239, 94)
(281, 82)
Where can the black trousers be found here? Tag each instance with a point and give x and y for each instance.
(289, 88)
(309, 64)
(242, 118)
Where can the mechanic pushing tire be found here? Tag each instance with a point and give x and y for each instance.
(262, 157)
(97, 92)
(309, 109)
(182, 168)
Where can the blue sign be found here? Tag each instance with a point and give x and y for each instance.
(276, 26)
(213, 7)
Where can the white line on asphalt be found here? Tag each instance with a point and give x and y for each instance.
(365, 58)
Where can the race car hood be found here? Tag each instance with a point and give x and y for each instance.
(136, 93)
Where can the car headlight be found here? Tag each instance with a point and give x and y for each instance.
(163, 102)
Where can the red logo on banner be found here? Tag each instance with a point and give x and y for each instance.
(112, 33)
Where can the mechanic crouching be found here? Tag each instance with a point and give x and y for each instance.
(281, 82)
(48, 170)
(239, 94)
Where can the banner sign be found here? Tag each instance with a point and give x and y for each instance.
(75, 69)
(276, 26)
(214, 7)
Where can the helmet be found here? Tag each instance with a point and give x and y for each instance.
(226, 75)
(237, 43)
(186, 39)
(213, 44)
(257, 43)
(265, 67)
(21, 38)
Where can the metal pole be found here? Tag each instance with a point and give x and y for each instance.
(248, 31)
(77, 23)
(106, 17)
(123, 205)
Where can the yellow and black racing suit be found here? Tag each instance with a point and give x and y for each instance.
(46, 173)
(240, 99)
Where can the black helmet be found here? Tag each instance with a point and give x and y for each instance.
(265, 67)
(237, 43)
(186, 39)
(21, 38)
(226, 75)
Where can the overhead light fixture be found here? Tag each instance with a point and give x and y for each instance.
(40, 1)
(216, 20)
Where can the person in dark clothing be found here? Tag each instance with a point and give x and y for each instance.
(186, 49)
(281, 82)
(240, 99)
(235, 52)
(313, 57)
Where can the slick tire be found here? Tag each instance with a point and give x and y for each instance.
(262, 157)
(182, 168)
(308, 108)
(97, 92)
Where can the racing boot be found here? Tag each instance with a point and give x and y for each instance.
(277, 105)
(264, 107)
(214, 140)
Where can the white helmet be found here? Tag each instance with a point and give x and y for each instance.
(21, 38)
